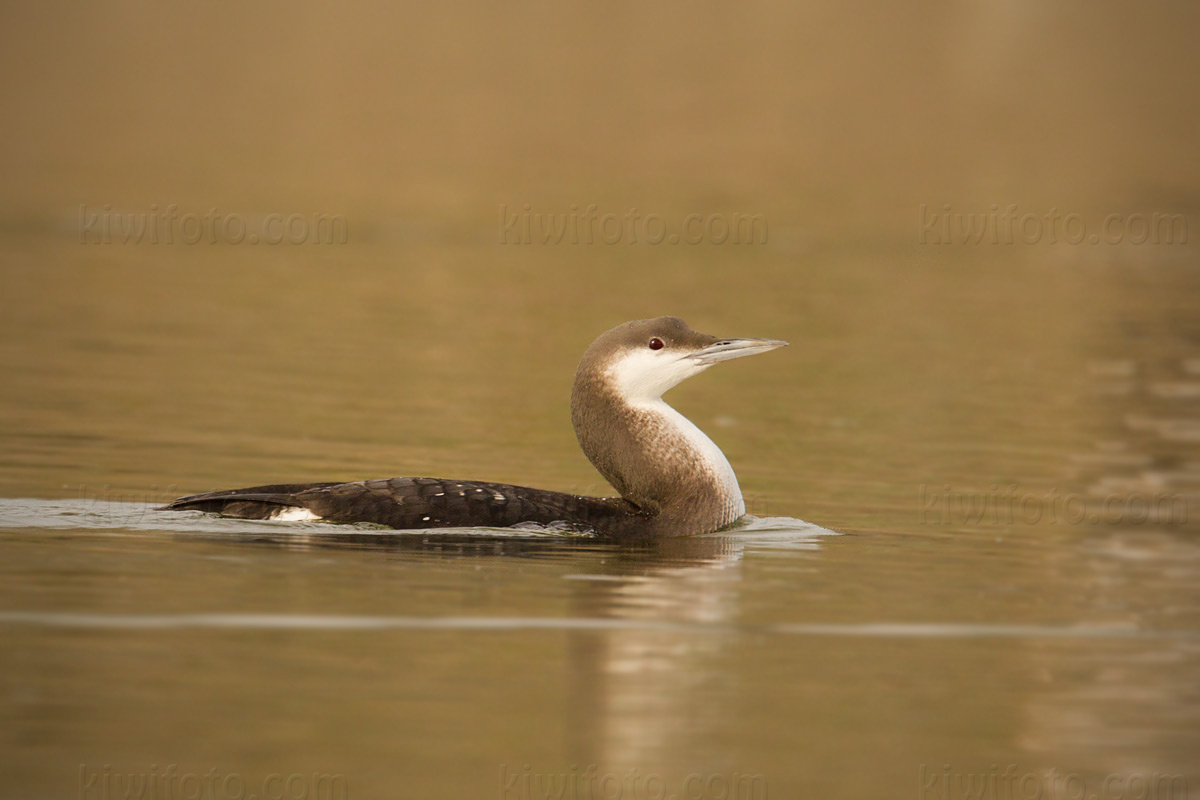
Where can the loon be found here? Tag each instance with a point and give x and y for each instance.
(672, 479)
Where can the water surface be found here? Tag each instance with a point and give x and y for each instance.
(994, 448)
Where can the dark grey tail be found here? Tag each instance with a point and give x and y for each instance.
(256, 502)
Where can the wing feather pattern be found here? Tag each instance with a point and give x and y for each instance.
(415, 503)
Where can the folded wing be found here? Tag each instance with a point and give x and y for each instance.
(414, 503)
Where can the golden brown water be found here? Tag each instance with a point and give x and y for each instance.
(1006, 435)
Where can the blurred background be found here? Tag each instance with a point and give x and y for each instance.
(978, 225)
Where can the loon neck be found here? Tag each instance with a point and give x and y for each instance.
(655, 457)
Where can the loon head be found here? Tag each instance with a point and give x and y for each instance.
(650, 453)
(645, 358)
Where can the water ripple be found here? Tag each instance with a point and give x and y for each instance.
(308, 622)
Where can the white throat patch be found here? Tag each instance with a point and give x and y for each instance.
(643, 375)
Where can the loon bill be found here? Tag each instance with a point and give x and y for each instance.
(673, 480)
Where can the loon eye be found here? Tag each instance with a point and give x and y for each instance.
(656, 343)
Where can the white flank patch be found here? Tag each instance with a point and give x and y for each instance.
(293, 514)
